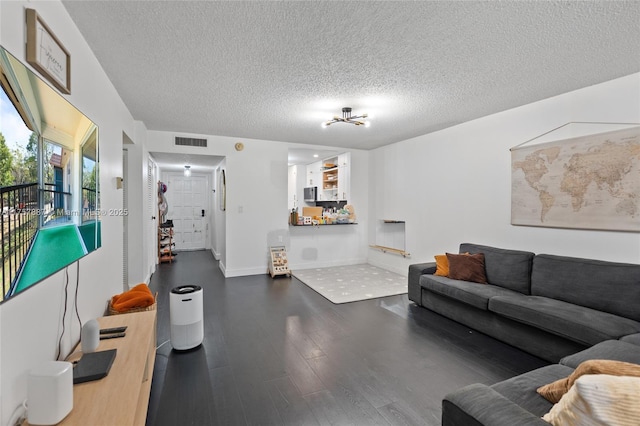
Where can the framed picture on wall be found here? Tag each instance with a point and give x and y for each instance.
(46, 54)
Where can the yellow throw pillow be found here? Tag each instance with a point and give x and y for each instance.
(442, 265)
(554, 391)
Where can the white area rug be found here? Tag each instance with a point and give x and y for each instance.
(342, 284)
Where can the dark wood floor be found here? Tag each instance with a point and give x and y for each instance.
(276, 352)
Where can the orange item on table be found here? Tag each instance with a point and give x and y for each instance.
(138, 297)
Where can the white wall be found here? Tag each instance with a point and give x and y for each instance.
(134, 184)
(31, 322)
(141, 232)
(292, 186)
(454, 185)
(297, 182)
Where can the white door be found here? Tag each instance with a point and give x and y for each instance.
(152, 214)
(187, 199)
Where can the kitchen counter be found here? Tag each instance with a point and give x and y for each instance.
(324, 224)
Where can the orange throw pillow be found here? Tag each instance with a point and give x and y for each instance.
(442, 265)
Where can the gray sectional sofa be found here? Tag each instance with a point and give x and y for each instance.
(550, 306)
(563, 309)
(515, 402)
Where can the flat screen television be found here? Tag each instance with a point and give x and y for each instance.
(49, 193)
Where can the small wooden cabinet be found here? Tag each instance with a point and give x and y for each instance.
(121, 398)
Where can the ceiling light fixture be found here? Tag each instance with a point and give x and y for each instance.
(187, 171)
(348, 118)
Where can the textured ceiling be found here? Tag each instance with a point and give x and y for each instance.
(275, 70)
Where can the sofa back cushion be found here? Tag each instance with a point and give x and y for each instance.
(505, 268)
(605, 286)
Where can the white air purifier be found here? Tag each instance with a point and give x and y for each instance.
(50, 393)
(185, 312)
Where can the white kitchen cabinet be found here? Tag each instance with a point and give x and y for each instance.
(314, 174)
(336, 178)
(332, 177)
(344, 176)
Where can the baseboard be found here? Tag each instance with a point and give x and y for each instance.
(389, 261)
(327, 264)
(150, 272)
(229, 273)
(216, 255)
(389, 267)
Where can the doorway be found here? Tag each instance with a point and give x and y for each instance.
(188, 200)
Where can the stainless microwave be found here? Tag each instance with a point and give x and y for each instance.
(311, 193)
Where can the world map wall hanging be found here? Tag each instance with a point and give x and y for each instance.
(586, 182)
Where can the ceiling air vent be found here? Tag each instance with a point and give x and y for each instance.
(191, 142)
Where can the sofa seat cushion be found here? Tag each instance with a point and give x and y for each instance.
(522, 389)
(632, 338)
(473, 294)
(478, 405)
(577, 323)
(615, 350)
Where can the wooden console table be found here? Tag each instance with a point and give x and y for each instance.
(122, 397)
